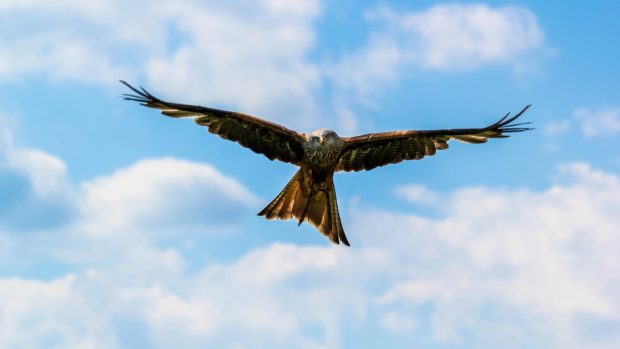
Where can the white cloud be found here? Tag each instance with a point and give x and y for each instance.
(160, 194)
(74, 40)
(153, 193)
(417, 194)
(46, 173)
(457, 36)
(380, 61)
(35, 190)
(256, 60)
(450, 37)
(39, 314)
(131, 288)
(252, 55)
(602, 122)
(536, 265)
(258, 296)
(119, 217)
(539, 266)
(547, 258)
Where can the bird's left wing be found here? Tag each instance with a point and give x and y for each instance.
(263, 137)
(369, 151)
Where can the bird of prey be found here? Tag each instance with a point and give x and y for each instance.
(310, 195)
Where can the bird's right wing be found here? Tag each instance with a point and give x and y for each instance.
(263, 137)
(369, 151)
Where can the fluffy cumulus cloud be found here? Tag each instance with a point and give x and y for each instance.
(34, 187)
(248, 54)
(490, 267)
(536, 267)
(159, 194)
(456, 36)
(132, 196)
(255, 56)
(44, 215)
(37, 314)
(446, 37)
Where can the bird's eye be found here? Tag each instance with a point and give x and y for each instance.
(315, 138)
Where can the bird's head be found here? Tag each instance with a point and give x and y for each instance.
(324, 137)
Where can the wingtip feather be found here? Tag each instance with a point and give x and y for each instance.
(139, 95)
(506, 125)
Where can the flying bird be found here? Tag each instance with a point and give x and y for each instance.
(310, 195)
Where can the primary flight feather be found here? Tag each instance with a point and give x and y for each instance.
(310, 195)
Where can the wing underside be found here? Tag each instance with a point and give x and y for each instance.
(369, 151)
(274, 141)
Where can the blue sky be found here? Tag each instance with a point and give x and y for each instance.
(120, 228)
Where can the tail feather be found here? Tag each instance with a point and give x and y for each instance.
(335, 216)
(319, 209)
(304, 211)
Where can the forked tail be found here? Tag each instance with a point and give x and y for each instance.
(320, 208)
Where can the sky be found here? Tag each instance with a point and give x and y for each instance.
(121, 228)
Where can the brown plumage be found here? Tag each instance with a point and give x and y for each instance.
(310, 195)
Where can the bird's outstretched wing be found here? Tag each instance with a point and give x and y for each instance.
(372, 150)
(263, 137)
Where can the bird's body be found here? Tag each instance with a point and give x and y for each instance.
(310, 195)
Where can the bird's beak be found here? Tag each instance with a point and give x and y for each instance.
(321, 139)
